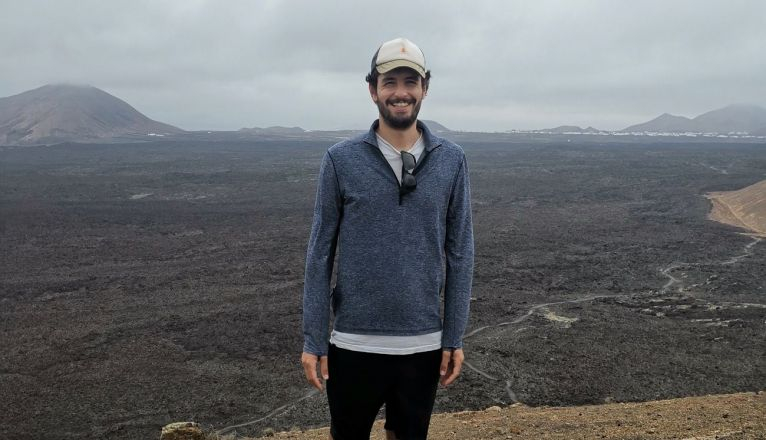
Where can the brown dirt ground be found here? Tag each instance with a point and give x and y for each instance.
(743, 208)
(728, 416)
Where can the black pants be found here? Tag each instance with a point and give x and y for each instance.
(360, 383)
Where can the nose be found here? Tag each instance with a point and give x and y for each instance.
(401, 91)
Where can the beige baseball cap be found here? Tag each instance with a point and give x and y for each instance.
(399, 52)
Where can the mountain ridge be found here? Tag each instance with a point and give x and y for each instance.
(562, 129)
(57, 113)
(734, 118)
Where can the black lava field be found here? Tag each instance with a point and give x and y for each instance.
(143, 284)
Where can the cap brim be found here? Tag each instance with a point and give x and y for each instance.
(391, 65)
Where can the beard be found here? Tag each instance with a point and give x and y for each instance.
(399, 122)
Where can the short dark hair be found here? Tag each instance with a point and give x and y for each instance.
(372, 78)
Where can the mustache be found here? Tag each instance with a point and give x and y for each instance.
(395, 101)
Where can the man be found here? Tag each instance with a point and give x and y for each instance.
(396, 202)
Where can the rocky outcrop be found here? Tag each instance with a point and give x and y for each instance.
(182, 431)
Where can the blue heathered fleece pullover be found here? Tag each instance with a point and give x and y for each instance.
(391, 257)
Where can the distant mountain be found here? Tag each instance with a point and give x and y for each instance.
(72, 113)
(734, 118)
(561, 129)
(739, 117)
(435, 126)
(664, 123)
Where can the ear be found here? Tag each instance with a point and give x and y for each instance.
(373, 92)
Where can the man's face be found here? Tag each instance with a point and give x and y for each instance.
(398, 96)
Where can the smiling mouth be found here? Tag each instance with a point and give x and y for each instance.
(400, 104)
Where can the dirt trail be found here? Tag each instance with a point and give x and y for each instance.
(282, 409)
(716, 169)
(531, 311)
(747, 251)
(728, 416)
(673, 285)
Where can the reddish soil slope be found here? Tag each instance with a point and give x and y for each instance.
(744, 208)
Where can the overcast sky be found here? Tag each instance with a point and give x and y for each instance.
(496, 65)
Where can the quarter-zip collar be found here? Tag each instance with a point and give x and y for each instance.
(429, 141)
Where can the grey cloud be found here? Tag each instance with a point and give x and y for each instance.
(497, 65)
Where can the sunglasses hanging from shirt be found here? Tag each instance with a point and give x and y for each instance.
(409, 182)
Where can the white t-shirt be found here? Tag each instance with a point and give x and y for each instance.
(394, 156)
(390, 344)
